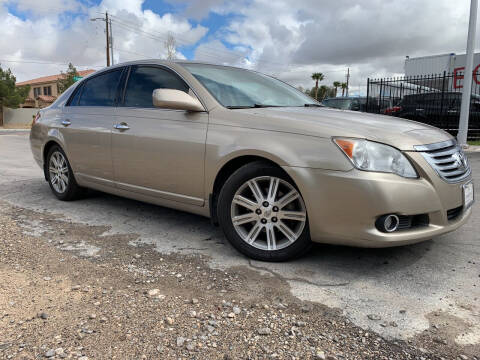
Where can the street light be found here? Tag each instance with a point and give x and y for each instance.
(467, 82)
(107, 32)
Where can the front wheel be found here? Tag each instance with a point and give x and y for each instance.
(263, 214)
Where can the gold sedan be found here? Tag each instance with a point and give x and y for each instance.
(271, 166)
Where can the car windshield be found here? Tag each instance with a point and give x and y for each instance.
(343, 104)
(239, 88)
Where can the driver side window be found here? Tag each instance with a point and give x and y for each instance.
(144, 79)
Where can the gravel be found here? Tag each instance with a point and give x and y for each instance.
(264, 331)
(120, 305)
(50, 353)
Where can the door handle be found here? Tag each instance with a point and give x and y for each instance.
(122, 126)
(66, 122)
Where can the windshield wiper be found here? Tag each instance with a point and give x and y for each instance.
(314, 105)
(250, 106)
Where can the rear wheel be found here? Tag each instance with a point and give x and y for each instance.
(60, 175)
(262, 213)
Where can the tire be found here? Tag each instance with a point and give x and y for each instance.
(60, 175)
(268, 226)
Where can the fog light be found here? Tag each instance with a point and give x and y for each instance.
(388, 223)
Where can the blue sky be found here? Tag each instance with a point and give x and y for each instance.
(288, 39)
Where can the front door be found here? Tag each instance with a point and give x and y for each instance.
(158, 152)
(86, 127)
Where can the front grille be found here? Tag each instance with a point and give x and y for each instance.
(404, 222)
(452, 214)
(407, 222)
(447, 159)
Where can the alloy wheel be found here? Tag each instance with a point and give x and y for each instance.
(58, 171)
(268, 213)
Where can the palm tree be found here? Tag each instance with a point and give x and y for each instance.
(344, 87)
(336, 85)
(317, 77)
(323, 91)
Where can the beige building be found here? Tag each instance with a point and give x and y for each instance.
(44, 90)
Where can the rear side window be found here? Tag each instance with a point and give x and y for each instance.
(100, 90)
(144, 79)
(74, 99)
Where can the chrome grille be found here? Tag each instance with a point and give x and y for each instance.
(447, 159)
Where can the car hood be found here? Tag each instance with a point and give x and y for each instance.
(328, 122)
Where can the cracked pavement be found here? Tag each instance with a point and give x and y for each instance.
(412, 287)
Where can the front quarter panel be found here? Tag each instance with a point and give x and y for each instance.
(225, 143)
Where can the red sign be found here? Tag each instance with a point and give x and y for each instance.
(457, 77)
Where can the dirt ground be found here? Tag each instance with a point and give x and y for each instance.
(73, 292)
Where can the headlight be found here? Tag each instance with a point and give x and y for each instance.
(372, 156)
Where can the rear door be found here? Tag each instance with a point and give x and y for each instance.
(87, 127)
(156, 151)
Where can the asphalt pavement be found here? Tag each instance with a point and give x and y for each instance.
(408, 287)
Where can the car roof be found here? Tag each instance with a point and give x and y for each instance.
(166, 63)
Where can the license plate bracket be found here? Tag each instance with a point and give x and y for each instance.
(468, 194)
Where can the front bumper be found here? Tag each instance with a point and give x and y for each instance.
(343, 206)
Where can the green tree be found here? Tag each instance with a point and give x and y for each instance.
(67, 79)
(310, 92)
(10, 95)
(336, 85)
(344, 87)
(326, 92)
(317, 77)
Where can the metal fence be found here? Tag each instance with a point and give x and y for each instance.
(431, 99)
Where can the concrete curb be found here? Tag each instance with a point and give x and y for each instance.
(13, 131)
(473, 148)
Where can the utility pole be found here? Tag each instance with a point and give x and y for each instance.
(107, 31)
(111, 40)
(107, 34)
(467, 81)
(348, 79)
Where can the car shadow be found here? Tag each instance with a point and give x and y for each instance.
(343, 261)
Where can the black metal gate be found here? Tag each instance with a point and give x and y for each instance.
(431, 99)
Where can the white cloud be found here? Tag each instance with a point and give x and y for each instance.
(284, 38)
(293, 39)
(58, 38)
(45, 7)
(215, 52)
(199, 9)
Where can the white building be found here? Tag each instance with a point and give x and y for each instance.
(438, 64)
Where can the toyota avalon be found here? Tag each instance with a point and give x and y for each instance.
(270, 165)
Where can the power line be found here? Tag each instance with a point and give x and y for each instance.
(45, 63)
(210, 50)
(134, 52)
(206, 51)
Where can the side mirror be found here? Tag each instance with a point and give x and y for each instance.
(175, 99)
